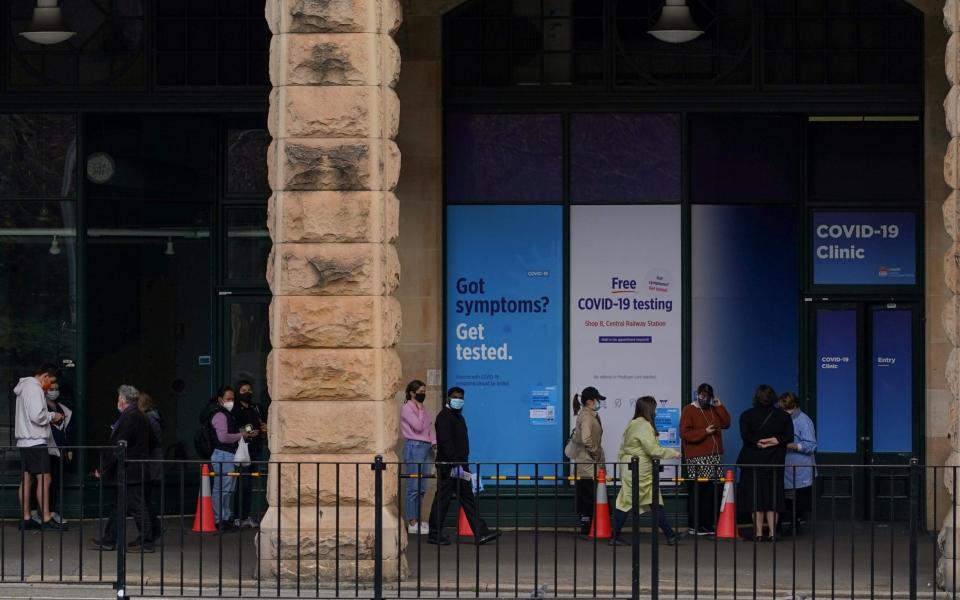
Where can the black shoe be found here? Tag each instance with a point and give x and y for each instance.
(488, 537)
(618, 541)
(29, 525)
(438, 541)
(51, 524)
(138, 547)
(227, 527)
(672, 540)
(98, 544)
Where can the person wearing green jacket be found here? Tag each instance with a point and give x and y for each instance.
(640, 440)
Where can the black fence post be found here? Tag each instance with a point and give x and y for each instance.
(914, 524)
(121, 517)
(655, 509)
(378, 527)
(635, 519)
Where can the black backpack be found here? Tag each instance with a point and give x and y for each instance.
(203, 441)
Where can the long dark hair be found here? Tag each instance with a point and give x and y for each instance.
(222, 391)
(646, 408)
(412, 388)
(576, 404)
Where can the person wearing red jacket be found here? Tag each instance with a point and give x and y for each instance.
(701, 433)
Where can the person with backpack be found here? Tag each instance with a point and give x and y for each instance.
(225, 435)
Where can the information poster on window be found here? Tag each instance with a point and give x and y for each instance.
(504, 335)
(625, 313)
(864, 248)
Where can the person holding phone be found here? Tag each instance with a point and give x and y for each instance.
(701, 435)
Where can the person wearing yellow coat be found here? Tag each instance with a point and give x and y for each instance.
(640, 439)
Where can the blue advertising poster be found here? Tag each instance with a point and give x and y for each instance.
(864, 248)
(668, 426)
(504, 336)
(892, 359)
(836, 380)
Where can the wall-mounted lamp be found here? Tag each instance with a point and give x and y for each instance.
(675, 25)
(47, 26)
(169, 249)
(55, 246)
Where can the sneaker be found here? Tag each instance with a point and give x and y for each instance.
(488, 537)
(57, 518)
(29, 525)
(226, 527)
(439, 541)
(618, 541)
(99, 544)
(700, 531)
(249, 523)
(35, 517)
(146, 548)
(420, 528)
(51, 524)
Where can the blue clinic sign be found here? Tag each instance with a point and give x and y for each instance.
(864, 248)
(892, 359)
(836, 380)
(504, 335)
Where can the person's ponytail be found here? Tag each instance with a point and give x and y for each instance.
(576, 404)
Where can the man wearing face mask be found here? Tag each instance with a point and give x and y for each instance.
(453, 476)
(133, 428)
(32, 429)
(248, 416)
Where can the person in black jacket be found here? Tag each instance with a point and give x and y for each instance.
(133, 428)
(249, 417)
(453, 477)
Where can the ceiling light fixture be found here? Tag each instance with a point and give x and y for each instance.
(47, 26)
(55, 246)
(675, 25)
(169, 250)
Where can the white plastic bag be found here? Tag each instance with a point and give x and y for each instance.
(242, 457)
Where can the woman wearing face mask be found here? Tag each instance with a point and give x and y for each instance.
(588, 438)
(226, 435)
(701, 425)
(640, 440)
(800, 463)
(416, 426)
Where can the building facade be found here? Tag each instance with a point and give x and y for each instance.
(745, 167)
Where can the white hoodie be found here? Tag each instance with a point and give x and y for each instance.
(32, 426)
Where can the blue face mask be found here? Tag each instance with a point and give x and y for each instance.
(456, 403)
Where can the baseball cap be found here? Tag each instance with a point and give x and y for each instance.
(591, 393)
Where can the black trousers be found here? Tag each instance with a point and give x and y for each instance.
(447, 487)
(703, 504)
(136, 508)
(585, 500)
(152, 502)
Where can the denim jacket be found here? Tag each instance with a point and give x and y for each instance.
(805, 438)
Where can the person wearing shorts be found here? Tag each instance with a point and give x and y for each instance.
(32, 430)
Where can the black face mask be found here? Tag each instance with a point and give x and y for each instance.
(246, 397)
(420, 397)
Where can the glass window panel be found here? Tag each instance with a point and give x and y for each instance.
(892, 385)
(746, 158)
(866, 161)
(248, 245)
(248, 344)
(744, 279)
(247, 162)
(38, 287)
(625, 158)
(38, 155)
(503, 158)
(836, 387)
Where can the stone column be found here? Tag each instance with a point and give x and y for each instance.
(333, 371)
(948, 561)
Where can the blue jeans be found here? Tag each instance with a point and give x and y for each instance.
(415, 453)
(223, 486)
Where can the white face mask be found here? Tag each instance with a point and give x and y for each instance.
(52, 395)
(228, 405)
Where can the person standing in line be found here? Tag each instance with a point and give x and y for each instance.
(32, 429)
(800, 463)
(249, 417)
(133, 428)
(62, 438)
(641, 440)
(453, 476)
(416, 426)
(226, 436)
(588, 437)
(701, 434)
(154, 470)
(766, 431)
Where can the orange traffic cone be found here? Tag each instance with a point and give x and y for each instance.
(600, 525)
(463, 526)
(203, 520)
(727, 521)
